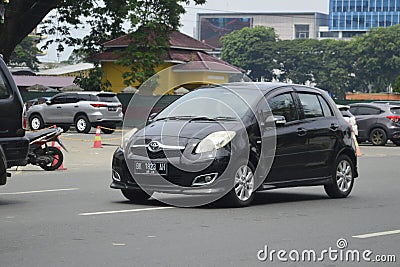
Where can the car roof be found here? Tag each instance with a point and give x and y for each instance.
(86, 93)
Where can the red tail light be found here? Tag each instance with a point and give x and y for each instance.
(98, 105)
(24, 118)
(395, 119)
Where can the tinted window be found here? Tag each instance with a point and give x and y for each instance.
(71, 99)
(311, 106)
(4, 87)
(395, 110)
(86, 97)
(354, 110)
(367, 111)
(58, 100)
(283, 105)
(108, 98)
(325, 107)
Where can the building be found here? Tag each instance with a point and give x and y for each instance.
(212, 26)
(348, 18)
(190, 59)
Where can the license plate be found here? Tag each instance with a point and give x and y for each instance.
(142, 167)
(112, 108)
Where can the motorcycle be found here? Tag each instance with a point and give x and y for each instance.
(49, 158)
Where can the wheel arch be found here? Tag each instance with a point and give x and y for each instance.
(81, 113)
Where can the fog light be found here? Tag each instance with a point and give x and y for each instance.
(116, 176)
(205, 179)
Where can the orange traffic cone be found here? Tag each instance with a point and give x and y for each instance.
(97, 139)
(359, 154)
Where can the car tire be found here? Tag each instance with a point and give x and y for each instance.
(65, 128)
(378, 137)
(136, 196)
(36, 122)
(57, 155)
(342, 178)
(82, 124)
(242, 193)
(107, 131)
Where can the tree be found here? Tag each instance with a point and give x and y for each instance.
(378, 57)
(252, 50)
(106, 19)
(396, 87)
(25, 53)
(93, 80)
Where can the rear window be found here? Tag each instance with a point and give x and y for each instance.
(395, 110)
(108, 98)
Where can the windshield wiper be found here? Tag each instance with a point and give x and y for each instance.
(174, 118)
(226, 118)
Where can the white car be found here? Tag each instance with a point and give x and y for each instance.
(350, 118)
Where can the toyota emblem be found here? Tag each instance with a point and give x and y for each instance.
(153, 146)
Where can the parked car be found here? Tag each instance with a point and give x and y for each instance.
(13, 143)
(350, 118)
(80, 109)
(377, 122)
(390, 102)
(232, 139)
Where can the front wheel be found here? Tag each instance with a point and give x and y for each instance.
(82, 124)
(242, 193)
(56, 159)
(136, 196)
(342, 178)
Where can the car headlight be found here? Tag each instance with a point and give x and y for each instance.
(215, 141)
(127, 136)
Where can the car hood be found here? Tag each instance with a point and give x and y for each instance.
(186, 129)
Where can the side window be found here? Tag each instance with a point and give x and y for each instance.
(368, 111)
(4, 87)
(283, 105)
(354, 110)
(311, 106)
(325, 107)
(71, 99)
(58, 100)
(84, 97)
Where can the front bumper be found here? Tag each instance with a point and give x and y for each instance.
(178, 180)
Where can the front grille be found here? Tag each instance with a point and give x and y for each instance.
(143, 152)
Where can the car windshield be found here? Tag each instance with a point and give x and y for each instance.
(212, 103)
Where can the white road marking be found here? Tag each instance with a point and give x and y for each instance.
(40, 191)
(394, 232)
(123, 211)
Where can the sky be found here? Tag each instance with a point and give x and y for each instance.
(189, 19)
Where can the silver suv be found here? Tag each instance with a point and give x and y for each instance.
(80, 109)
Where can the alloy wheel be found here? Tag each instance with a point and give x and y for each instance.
(244, 183)
(344, 176)
(81, 124)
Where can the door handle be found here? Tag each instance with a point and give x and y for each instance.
(301, 132)
(58, 107)
(76, 106)
(334, 127)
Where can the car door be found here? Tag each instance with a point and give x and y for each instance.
(290, 145)
(53, 110)
(70, 108)
(366, 118)
(322, 132)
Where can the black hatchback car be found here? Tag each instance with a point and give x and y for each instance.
(232, 140)
(377, 122)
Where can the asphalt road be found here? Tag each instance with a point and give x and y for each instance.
(73, 218)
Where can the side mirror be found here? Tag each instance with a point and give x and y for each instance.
(279, 120)
(151, 117)
(48, 102)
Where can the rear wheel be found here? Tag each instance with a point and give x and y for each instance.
(56, 159)
(137, 196)
(36, 122)
(378, 137)
(342, 178)
(82, 124)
